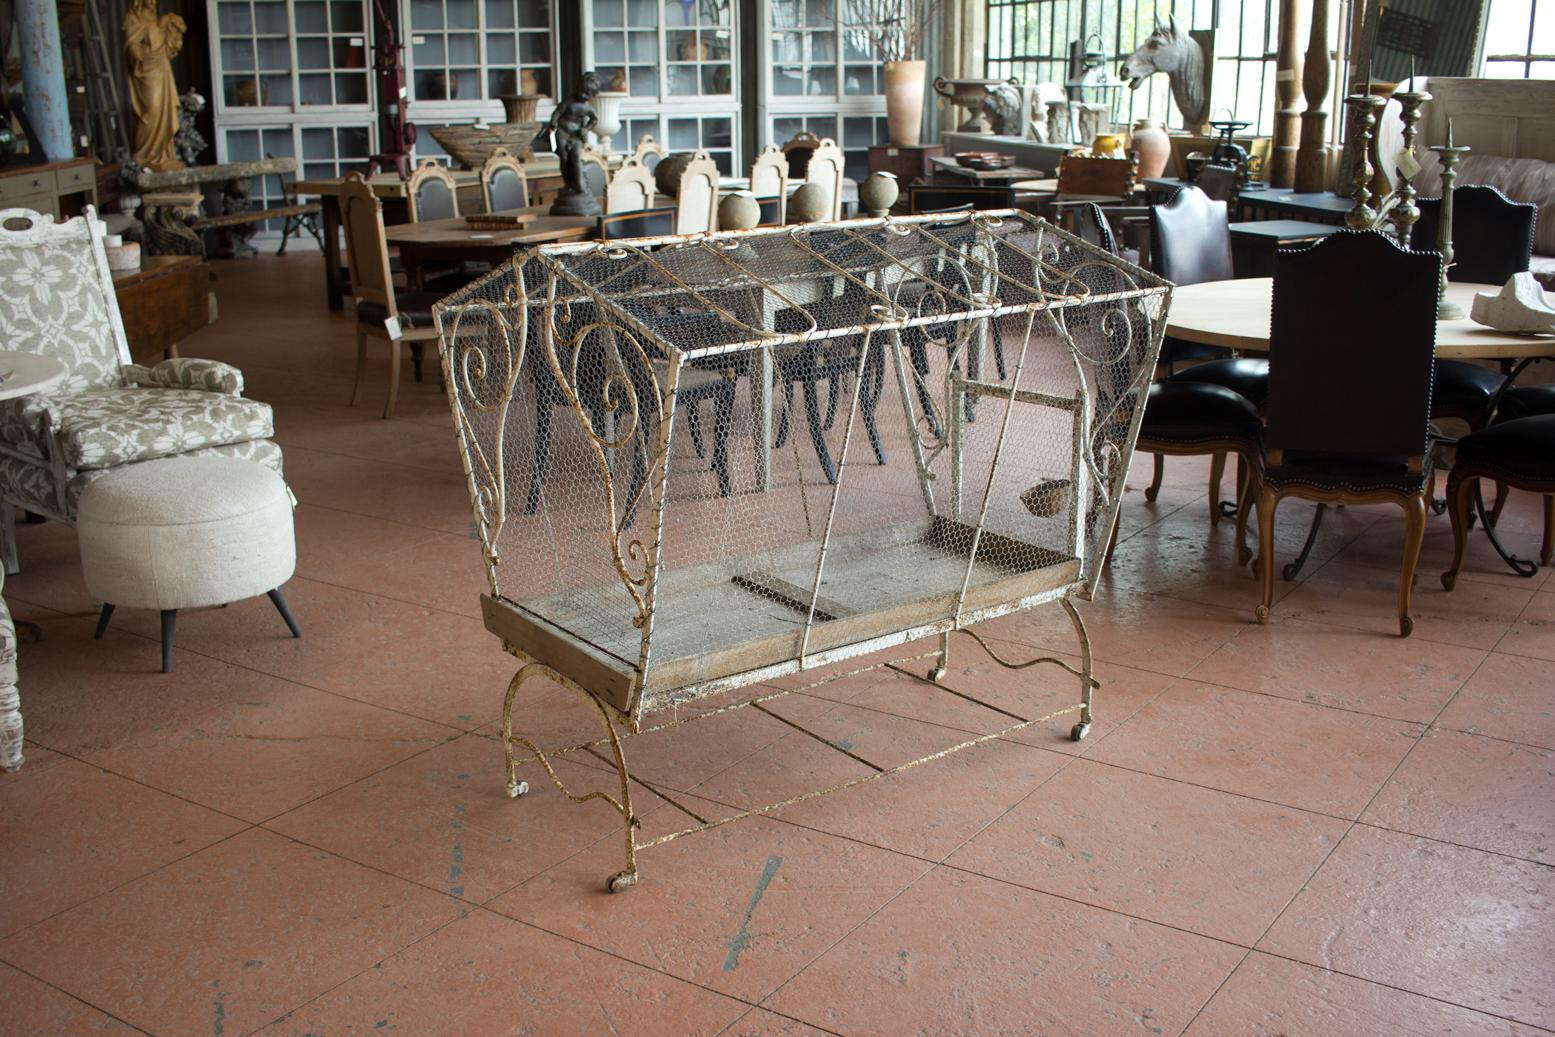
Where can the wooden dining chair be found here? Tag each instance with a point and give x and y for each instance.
(769, 183)
(648, 152)
(431, 193)
(503, 182)
(631, 188)
(826, 167)
(381, 312)
(596, 172)
(1329, 435)
(797, 150)
(696, 203)
(1492, 239)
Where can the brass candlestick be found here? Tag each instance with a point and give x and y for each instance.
(1449, 155)
(1405, 212)
(1363, 115)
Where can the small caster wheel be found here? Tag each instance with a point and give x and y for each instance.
(621, 880)
(1448, 580)
(1406, 626)
(517, 788)
(936, 673)
(1078, 732)
(1262, 614)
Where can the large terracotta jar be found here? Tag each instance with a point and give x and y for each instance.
(1149, 141)
(904, 101)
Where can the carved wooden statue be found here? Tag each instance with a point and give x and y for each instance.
(151, 41)
(1173, 51)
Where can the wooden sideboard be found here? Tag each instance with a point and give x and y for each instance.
(164, 302)
(61, 189)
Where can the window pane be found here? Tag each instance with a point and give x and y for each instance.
(1506, 30)
(312, 16)
(235, 18)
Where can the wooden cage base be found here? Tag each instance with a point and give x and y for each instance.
(618, 726)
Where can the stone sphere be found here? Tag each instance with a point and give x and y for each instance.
(739, 210)
(667, 174)
(810, 203)
(878, 193)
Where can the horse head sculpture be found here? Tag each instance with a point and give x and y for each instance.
(1173, 51)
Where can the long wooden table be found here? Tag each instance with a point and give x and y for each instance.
(453, 240)
(1235, 314)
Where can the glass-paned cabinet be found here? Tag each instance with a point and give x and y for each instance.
(476, 50)
(823, 76)
(677, 61)
(279, 55)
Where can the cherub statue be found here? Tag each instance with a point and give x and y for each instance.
(570, 123)
(151, 41)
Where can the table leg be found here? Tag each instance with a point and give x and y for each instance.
(334, 284)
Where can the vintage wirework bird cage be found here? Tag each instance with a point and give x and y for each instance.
(704, 462)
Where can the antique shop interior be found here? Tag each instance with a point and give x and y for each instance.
(777, 517)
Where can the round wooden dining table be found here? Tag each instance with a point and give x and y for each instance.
(1235, 314)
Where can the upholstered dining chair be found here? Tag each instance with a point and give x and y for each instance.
(381, 311)
(648, 152)
(596, 172)
(504, 184)
(631, 188)
(797, 150)
(1492, 239)
(58, 301)
(1329, 435)
(769, 183)
(638, 223)
(696, 203)
(826, 168)
(1520, 454)
(431, 193)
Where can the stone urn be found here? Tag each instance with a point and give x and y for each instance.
(904, 101)
(810, 204)
(969, 94)
(607, 109)
(739, 210)
(1149, 141)
(520, 107)
(878, 193)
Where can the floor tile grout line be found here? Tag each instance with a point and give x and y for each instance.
(1461, 846)
(76, 997)
(1350, 828)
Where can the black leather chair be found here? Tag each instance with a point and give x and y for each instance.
(1330, 435)
(1523, 401)
(1492, 239)
(1519, 453)
(926, 198)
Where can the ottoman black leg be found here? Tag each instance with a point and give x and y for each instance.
(280, 606)
(169, 618)
(102, 622)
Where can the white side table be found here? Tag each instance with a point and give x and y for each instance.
(20, 375)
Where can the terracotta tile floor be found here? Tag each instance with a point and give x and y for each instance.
(1310, 828)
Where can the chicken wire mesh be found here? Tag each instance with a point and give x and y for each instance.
(698, 462)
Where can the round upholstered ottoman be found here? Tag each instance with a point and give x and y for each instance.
(186, 532)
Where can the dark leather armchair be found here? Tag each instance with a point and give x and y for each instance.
(1330, 436)
(1519, 453)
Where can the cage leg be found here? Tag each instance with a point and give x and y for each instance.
(627, 877)
(944, 658)
(1087, 678)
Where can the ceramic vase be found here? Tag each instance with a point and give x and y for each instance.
(1149, 141)
(904, 101)
(528, 82)
(520, 107)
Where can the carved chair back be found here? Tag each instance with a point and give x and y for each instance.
(596, 173)
(504, 184)
(1190, 239)
(630, 188)
(648, 152)
(367, 245)
(1350, 367)
(1219, 183)
(769, 173)
(57, 298)
(826, 168)
(431, 192)
(798, 151)
(1492, 236)
(697, 203)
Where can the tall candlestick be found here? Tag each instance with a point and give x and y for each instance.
(1363, 114)
(1405, 213)
(1446, 309)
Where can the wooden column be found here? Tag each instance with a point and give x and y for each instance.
(1287, 93)
(1312, 158)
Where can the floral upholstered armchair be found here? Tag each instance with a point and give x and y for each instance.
(57, 299)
